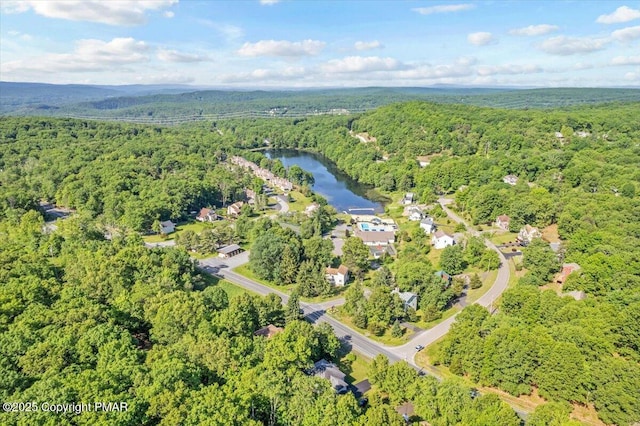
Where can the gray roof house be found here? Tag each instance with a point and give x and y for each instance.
(331, 372)
(410, 300)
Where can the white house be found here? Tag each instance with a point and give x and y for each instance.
(338, 276)
(441, 240)
(428, 225)
(528, 233)
(207, 215)
(503, 221)
(235, 209)
(167, 227)
(415, 215)
(408, 198)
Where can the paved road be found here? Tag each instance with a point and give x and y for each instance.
(284, 203)
(314, 312)
(170, 243)
(317, 312)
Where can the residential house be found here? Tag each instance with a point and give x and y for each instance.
(409, 300)
(503, 221)
(444, 277)
(408, 198)
(207, 215)
(567, 269)
(331, 372)
(528, 233)
(229, 251)
(250, 195)
(338, 276)
(510, 179)
(167, 227)
(235, 209)
(559, 135)
(376, 238)
(441, 240)
(416, 215)
(268, 331)
(378, 251)
(428, 226)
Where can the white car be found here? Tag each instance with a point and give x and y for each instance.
(419, 348)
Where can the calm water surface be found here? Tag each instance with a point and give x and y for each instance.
(340, 190)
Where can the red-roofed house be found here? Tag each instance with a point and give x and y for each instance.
(207, 215)
(567, 269)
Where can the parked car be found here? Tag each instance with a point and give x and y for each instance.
(419, 348)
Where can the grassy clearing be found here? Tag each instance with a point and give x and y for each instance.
(385, 339)
(446, 314)
(356, 370)
(245, 271)
(231, 289)
(502, 237)
(190, 225)
(299, 203)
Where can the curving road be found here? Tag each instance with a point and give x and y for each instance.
(316, 313)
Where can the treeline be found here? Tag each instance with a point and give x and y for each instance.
(84, 319)
(570, 351)
(128, 176)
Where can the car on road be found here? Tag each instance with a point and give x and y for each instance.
(419, 348)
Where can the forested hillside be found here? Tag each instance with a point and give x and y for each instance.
(585, 180)
(86, 317)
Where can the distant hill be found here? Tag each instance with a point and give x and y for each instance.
(176, 104)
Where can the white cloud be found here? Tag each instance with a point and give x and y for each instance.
(169, 14)
(509, 69)
(269, 2)
(443, 8)
(175, 56)
(565, 46)
(534, 30)
(582, 66)
(481, 38)
(282, 48)
(621, 14)
(230, 32)
(631, 76)
(121, 12)
(88, 55)
(626, 60)
(367, 45)
(360, 64)
(627, 34)
(262, 75)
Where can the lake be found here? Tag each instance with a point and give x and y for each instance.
(340, 190)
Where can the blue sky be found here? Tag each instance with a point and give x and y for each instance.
(313, 43)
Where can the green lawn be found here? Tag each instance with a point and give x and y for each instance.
(386, 338)
(356, 370)
(503, 237)
(300, 201)
(446, 314)
(192, 225)
(231, 289)
(245, 271)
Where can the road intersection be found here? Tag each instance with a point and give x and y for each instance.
(317, 312)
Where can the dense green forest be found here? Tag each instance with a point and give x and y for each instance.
(82, 316)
